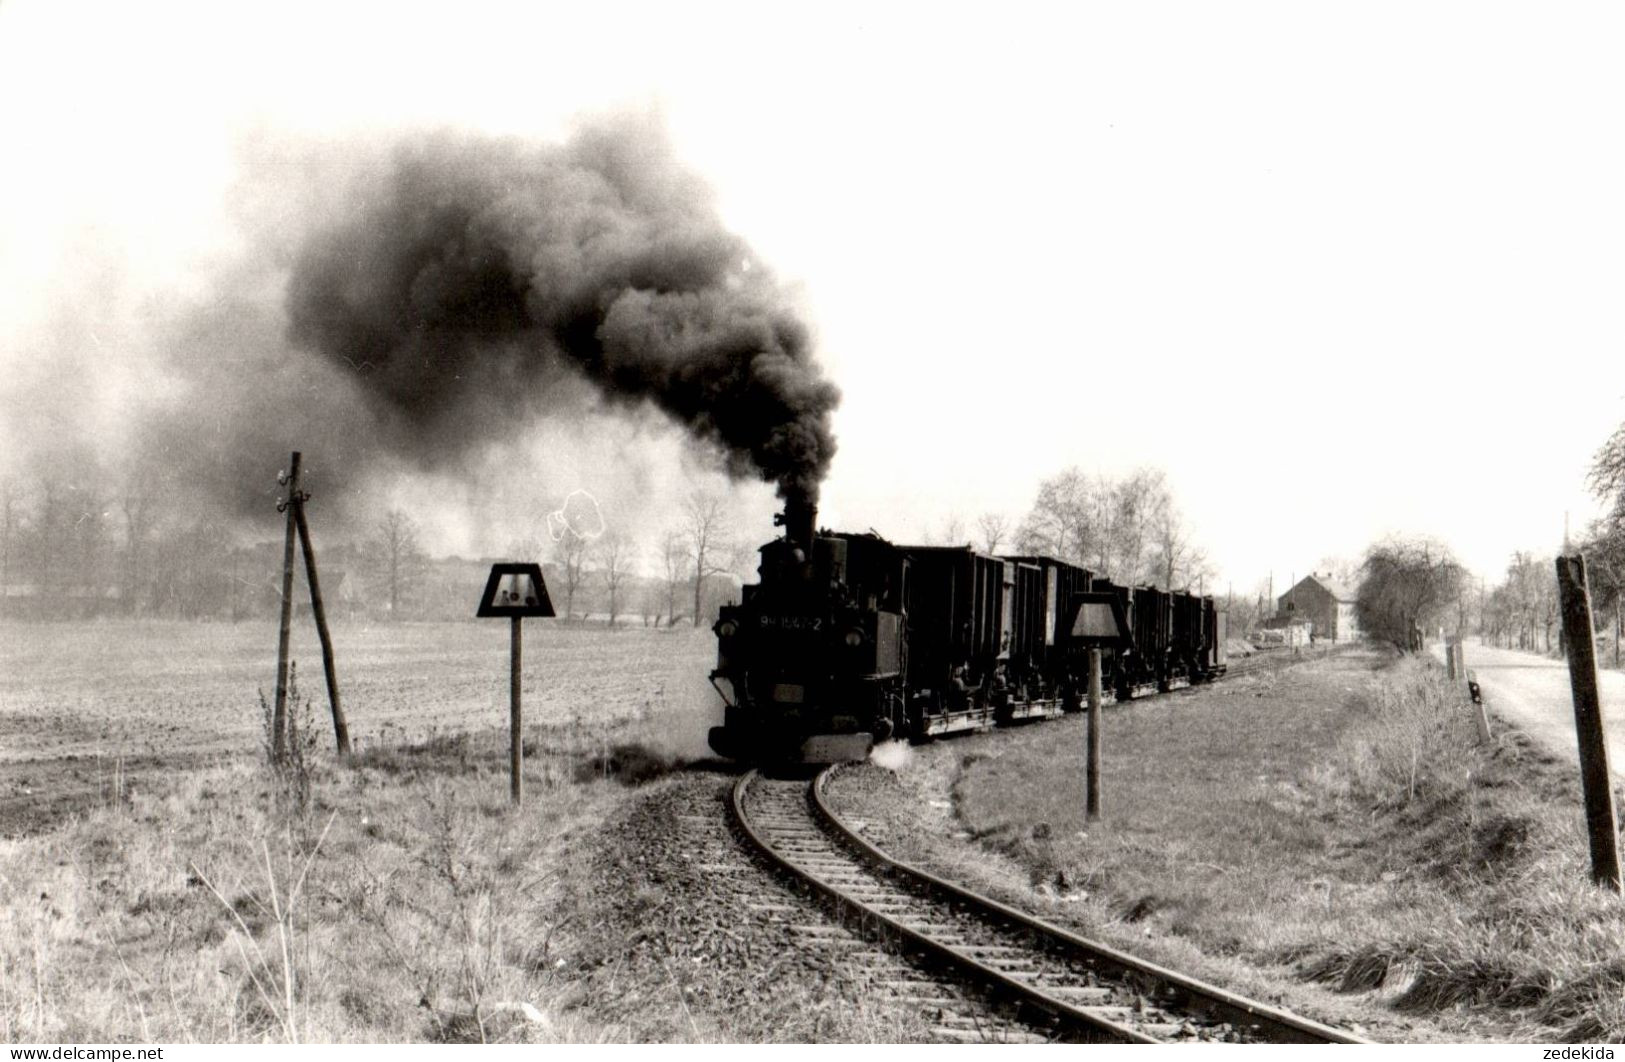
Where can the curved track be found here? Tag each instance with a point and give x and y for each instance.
(1059, 984)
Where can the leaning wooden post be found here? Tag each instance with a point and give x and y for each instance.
(341, 730)
(516, 746)
(1092, 769)
(279, 714)
(1594, 776)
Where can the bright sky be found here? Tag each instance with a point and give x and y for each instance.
(1339, 273)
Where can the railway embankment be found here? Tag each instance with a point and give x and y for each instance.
(1327, 835)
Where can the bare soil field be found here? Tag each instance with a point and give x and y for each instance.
(89, 709)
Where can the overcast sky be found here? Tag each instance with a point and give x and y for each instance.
(1339, 273)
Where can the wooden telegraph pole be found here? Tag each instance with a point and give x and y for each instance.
(294, 506)
(1093, 768)
(279, 714)
(1594, 777)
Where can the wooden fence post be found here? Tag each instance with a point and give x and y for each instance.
(1594, 777)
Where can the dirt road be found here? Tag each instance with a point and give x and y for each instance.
(1532, 692)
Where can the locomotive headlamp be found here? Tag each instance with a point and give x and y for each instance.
(854, 637)
(726, 629)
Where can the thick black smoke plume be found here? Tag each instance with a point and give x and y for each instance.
(483, 277)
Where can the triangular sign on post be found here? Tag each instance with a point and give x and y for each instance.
(515, 590)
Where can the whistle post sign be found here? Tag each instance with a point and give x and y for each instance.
(515, 591)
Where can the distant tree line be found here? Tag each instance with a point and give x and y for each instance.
(1128, 529)
(1522, 611)
(76, 542)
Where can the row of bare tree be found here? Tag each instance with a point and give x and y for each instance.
(1523, 610)
(1128, 529)
(75, 541)
(692, 565)
(1417, 583)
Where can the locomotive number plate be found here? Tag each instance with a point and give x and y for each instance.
(793, 623)
(787, 693)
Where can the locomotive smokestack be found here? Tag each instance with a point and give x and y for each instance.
(800, 522)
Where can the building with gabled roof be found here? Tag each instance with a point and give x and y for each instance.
(1324, 603)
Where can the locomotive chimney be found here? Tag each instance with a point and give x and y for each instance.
(800, 521)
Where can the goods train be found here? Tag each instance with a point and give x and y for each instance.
(848, 640)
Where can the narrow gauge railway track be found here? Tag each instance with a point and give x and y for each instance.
(1062, 984)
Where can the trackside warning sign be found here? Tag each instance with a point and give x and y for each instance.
(515, 590)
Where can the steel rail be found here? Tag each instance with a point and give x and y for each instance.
(1270, 1024)
(1093, 1027)
(1170, 993)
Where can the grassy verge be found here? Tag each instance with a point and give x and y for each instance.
(395, 899)
(1336, 822)
(398, 897)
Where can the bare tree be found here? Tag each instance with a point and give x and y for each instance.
(1524, 595)
(1140, 504)
(191, 571)
(11, 524)
(674, 570)
(1179, 563)
(615, 563)
(137, 502)
(528, 548)
(1607, 477)
(1127, 529)
(1407, 584)
(397, 557)
(1247, 611)
(570, 551)
(709, 536)
(994, 527)
(951, 532)
(1058, 521)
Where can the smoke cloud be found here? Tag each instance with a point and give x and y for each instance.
(479, 282)
(469, 327)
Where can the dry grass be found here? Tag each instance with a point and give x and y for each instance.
(397, 896)
(1342, 822)
(407, 902)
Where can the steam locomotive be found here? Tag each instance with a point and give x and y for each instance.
(848, 640)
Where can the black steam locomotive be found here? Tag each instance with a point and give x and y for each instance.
(849, 640)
